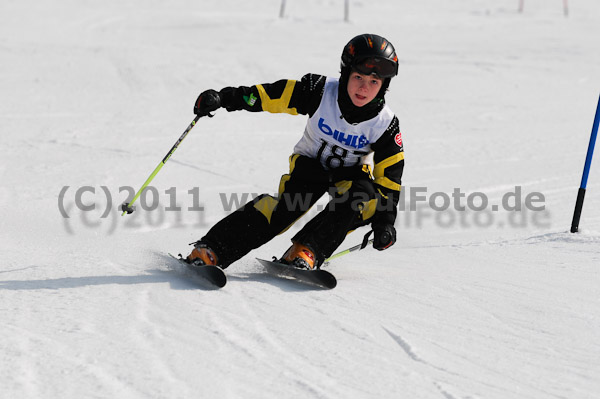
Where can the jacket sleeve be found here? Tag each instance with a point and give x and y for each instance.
(284, 96)
(388, 158)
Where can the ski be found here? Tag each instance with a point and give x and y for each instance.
(213, 274)
(319, 277)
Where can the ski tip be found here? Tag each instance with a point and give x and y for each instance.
(210, 273)
(321, 278)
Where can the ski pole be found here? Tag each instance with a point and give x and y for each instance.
(358, 247)
(586, 172)
(127, 207)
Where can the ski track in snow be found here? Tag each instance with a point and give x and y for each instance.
(488, 99)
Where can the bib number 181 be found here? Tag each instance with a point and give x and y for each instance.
(337, 155)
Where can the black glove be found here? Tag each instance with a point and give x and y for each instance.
(385, 236)
(207, 102)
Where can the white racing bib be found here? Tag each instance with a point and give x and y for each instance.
(335, 142)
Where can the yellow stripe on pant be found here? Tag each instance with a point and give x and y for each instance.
(267, 204)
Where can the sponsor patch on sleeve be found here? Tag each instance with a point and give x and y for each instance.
(398, 139)
(250, 100)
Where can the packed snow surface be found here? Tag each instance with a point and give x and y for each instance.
(494, 105)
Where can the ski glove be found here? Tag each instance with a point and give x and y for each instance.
(207, 102)
(385, 236)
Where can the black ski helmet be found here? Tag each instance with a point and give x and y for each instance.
(369, 53)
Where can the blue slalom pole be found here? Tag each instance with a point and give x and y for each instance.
(586, 171)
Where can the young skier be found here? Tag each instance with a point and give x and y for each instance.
(347, 121)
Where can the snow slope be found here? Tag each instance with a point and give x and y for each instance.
(492, 304)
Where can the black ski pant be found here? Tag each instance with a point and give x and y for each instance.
(353, 203)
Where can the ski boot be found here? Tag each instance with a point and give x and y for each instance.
(299, 256)
(202, 255)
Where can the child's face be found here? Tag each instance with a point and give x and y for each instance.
(362, 89)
